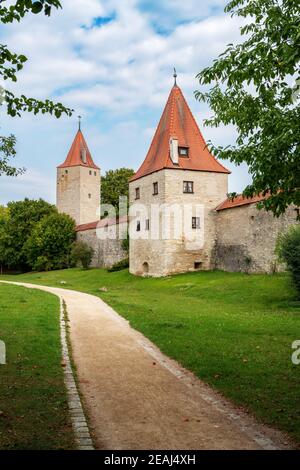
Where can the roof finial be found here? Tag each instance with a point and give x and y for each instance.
(175, 77)
(79, 123)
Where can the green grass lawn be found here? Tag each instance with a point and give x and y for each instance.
(232, 330)
(33, 405)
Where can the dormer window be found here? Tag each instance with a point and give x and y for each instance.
(183, 152)
(83, 155)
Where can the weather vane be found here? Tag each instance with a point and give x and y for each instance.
(175, 76)
(79, 122)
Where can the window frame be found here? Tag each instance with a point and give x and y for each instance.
(138, 225)
(180, 149)
(147, 224)
(155, 188)
(188, 183)
(196, 223)
(137, 193)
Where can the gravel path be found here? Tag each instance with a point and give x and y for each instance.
(137, 398)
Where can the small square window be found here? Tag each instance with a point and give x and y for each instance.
(137, 193)
(147, 224)
(155, 188)
(138, 226)
(183, 151)
(195, 222)
(197, 264)
(188, 187)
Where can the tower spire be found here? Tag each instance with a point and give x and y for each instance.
(175, 77)
(79, 123)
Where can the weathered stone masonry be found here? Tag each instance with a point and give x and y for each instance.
(236, 235)
(246, 238)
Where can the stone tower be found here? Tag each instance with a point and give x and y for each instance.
(179, 180)
(78, 184)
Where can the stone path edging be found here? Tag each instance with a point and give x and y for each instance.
(79, 423)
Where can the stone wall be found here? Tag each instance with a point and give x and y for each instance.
(78, 193)
(246, 239)
(161, 256)
(106, 243)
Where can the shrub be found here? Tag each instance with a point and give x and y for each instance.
(124, 264)
(288, 251)
(82, 253)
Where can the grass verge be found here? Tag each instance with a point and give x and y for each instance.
(233, 330)
(33, 401)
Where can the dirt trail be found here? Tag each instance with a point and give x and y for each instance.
(137, 398)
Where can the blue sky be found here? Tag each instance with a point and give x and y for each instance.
(112, 61)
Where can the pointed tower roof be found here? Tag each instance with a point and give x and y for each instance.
(79, 154)
(178, 122)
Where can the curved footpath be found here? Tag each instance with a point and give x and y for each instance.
(137, 398)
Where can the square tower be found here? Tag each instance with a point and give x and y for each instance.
(173, 197)
(78, 184)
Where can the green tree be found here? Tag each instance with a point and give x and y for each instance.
(252, 88)
(49, 245)
(114, 184)
(10, 64)
(288, 251)
(82, 253)
(17, 228)
(4, 215)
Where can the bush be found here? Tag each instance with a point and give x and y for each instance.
(288, 251)
(124, 264)
(82, 253)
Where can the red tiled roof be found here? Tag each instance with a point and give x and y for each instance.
(240, 200)
(178, 121)
(101, 223)
(74, 155)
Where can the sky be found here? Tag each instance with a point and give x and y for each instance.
(112, 62)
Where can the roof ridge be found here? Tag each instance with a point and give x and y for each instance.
(74, 157)
(181, 124)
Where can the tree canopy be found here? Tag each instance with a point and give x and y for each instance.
(17, 228)
(114, 184)
(50, 243)
(10, 64)
(253, 88)
(33, 235)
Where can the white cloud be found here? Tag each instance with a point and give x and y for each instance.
(117, 72)
(33, 184)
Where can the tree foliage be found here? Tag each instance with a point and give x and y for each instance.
(253, 89)
(114, 184)
(7, 150)
(49, 245)
(288, 250)
(10, 64)
(17, 228)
